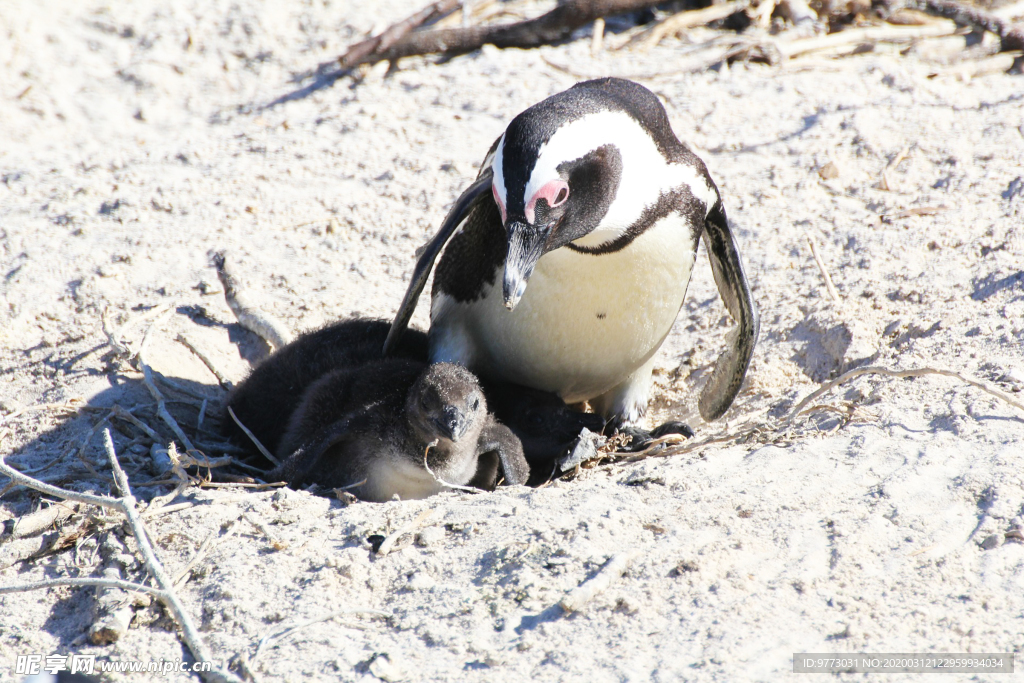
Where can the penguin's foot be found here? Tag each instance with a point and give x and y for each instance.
(641, 438)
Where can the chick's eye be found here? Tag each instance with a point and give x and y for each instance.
(474, 404)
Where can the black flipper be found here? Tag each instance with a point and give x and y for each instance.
(499, 439)
(429, 254)
(731, 366)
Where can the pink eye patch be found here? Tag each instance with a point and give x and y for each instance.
(555, 192)
(497, 200)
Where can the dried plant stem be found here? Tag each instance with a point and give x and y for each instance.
(82, 583)
(127, 505)
(588, 590)
(691, 19)
(187, 343)
(161, 406)
(824, 272)
(438, 479)
(178, 507)
(275, 543)
(856, 36)
(885, 183)
(1011, 35)
(554, 26)
(252, 437)
(250, 317)
(359, 52)
(597, 38)
(46, 406)
(123, 414)
(205, 548)
(916, 372)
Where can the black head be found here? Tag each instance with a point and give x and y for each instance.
(447, 404)
(579, 169)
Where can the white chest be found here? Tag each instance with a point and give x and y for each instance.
(391, 471)
(585, 323)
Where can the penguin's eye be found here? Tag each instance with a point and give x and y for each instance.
(474, 404)
(554, 193)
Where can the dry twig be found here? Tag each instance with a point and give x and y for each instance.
(28, 542)
(161, 406)
(438, 479)
(588, 590)
(857, 36)
(204, 548)
(885, 183)
(597, 38)
(362, 51)
(672, 25)
(824, 272)
(917, 372)
(275, 543)
(37, 522)
(221, 379)
(552, 27)
(47, 406)
(1011, 36)
(250, 317)
(112, 610)
(252, 437)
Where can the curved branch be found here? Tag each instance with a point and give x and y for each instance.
(553, 27)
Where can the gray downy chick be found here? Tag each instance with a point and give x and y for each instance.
(275, 387)
(398, 427)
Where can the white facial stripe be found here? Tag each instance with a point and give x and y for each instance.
(645, 172)
(499, 175)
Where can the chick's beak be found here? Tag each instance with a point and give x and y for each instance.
(452, 424)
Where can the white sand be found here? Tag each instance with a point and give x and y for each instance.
(134, 140)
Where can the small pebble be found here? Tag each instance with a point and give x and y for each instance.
(387, 668)
(430, 536)
(993, 541)
(421, 581)
(829, 171)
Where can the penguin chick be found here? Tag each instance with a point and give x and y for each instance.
(272, 392)
(274, 389)
(398, 427)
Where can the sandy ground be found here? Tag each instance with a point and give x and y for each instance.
(137, 137)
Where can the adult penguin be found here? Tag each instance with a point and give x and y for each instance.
(576, 245)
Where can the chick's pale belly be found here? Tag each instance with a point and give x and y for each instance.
(585, 323)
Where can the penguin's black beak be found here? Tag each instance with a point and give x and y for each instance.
(525, 247)
(452, 424)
